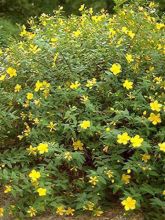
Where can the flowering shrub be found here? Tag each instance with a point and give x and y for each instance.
(82, 114)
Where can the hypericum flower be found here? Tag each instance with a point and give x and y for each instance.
(160, 25)
(36, 121)
(116, 68)
(155, 118)
(32, 211)
(51, 126)
(85, 124)
(136, 141)
(2, 77)
(67, 156)
(146, 157)
(11, 71)
(32, 150)
(129, 203)
(60, 210)
(38, 86)
(41, 191)
(77, 33)
(1, 212)
(82, 7)
(126, 178)
(89, 206)
(29, 96)
(78, 145)
(91, 83)
(131, 34)
(163, 193)
(107, 129)
(41, 85)
(98, 212)
(162, 146)
(93, 180)
(69, 211)
(123, 138)
(7, 189)
(155, 106)
(128, 84)
(129, 58)
(42, 148)
(109, 174)
(34, 175)
(17, 88)
(75, 85)
(124, 30)
(84, 98)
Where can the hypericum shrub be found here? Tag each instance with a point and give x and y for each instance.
(82, 111)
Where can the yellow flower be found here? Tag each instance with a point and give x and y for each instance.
(89, 206)
(146, 157)
(107, 129)
(128, 84)
(60, 210)
(7, 189)
(42, 148)
(93, 180)
(116, 68)
(69, 211)
(123, 138)
(155, 119)
(129, 203)
(17, 88)
(38, 86)
(163, 192)
(67, 156)
(11, 71)
(85, 124)
(82, 7)
(91, 83)
(162, 146)
(1, 212)
(136, 141)
(31, 211)
(34, 48)
(131, 34)
(126, 178)
(160, 25)
(78, 145)
(51, 126)
(75, 85)
(155, 106)
(36, 121)
(77, 33)
(109, 174)
(29, 96)
(41, 191)
(129, 58)
(2, 77)
(32, 150)
(84, 98)
(98, 212)
(34, 175)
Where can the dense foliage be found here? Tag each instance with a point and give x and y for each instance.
(82, 114)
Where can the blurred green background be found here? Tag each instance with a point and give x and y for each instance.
(14, 12)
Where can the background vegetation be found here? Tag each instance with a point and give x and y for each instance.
(18, 11)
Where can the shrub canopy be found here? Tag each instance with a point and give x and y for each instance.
(82, 113)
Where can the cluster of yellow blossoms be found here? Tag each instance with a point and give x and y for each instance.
(41, 149)
(124, 138)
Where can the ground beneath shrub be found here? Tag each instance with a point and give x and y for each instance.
(112, 214)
